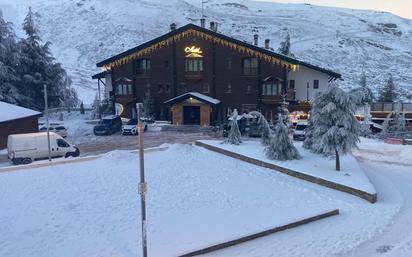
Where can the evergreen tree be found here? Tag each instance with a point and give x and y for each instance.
(9, 61)
(263, 127)
(394, 124)
(38, 67)
(95, 108)
(285, 46)
(388, 93)
(81, 108)
(334, 128)
(281, 147)
(366, 91)
(234, 136)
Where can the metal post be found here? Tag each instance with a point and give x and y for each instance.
(142, 184)
(46, 106)
(98, 88)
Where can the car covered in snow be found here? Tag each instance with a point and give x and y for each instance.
(56, 128)
(299, 131)
(130, 128)
(108, 125)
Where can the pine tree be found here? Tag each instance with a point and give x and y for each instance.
(388, 93)
(81, 108)
(9, 61)
(234, 136)
(285, 46)
(263, 127)
(367, 92)
(281, 147)
(334, 128)
(38, 67)
(394, 124)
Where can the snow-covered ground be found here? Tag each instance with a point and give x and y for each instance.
(348, 41)
(351, 173)
(195, 197)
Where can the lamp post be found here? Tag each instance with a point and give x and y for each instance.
(142, 184)
(46, 106)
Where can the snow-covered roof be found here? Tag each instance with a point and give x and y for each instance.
(196, 95)
(13, 112)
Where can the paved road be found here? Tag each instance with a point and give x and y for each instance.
(91, 145)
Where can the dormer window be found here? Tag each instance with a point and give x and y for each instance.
(143, 66)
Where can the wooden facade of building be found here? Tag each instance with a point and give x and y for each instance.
(195, 59)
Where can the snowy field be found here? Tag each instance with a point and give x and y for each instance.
(351, 173)
(195, 198)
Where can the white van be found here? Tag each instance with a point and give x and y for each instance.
(299, 132)
(25, 148)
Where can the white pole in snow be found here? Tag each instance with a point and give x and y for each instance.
(142, 184)
(46, 106)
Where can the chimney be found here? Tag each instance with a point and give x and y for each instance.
(212, 25)
(173, 26)
(202, 22)
(255, 39)
(267, 41)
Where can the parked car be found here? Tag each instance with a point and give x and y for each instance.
(108, 125)
(56, 128)
(131, 128)
(299, 132)
(25, 148)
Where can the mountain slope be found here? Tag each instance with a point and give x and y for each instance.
(84, 32)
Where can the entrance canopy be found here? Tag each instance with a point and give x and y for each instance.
(193, 97)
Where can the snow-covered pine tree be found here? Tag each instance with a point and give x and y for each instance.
(309, 133)
(394, 124)
(335, 128)
(388, 92)
(365, 128)
(263, 127)
(234, 137)
(38, 67)
(285, 46)
(367, 91)
(9, 60)
(281, 147)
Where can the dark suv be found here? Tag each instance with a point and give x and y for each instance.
(108, 125)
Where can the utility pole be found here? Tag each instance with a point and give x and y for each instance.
(142, 184)
(46, 106)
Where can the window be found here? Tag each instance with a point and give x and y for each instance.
(124, 89)
(315, 84)
(250, 66)
(229, 88)
(205, 88)
(229, 64)
(143, 66)
(167, 89)
(271, 89)
(194, 65)
(62, 143)
(291, 84)
(248, 89)
(160, 89)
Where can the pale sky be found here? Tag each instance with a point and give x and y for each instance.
(399, 7)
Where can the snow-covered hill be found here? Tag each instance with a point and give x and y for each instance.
(347, 41)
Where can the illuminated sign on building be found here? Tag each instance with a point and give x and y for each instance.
(193, 52)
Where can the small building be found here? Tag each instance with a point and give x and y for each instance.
(16, 120)
(191, 65)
